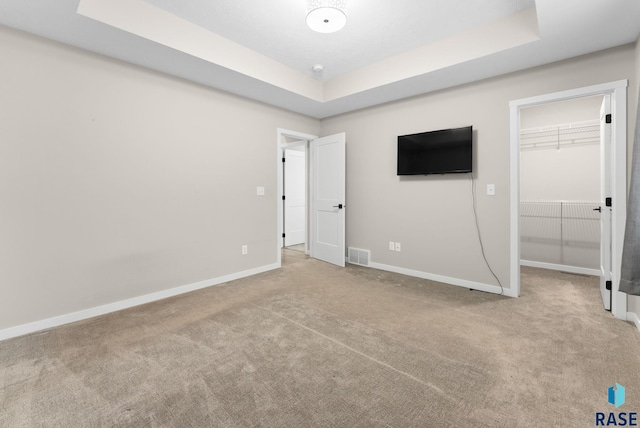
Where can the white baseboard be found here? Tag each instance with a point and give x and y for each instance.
(445, 279)
(562, 268)
(48, 323)
(633, 317)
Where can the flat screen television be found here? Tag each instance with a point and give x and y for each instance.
(437, 152)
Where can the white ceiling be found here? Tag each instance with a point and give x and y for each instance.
(375, 29)
(387, 51)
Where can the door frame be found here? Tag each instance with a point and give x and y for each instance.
(618, 92)
(281, 144)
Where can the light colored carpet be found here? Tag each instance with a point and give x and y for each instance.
(298, 247)
(315, 345)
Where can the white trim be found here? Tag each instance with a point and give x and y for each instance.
(633, 317)
(48, 323)
(514, 194)
(587, 91)
(618, 92)
(562, 268)
(444, 279)
(280, 145)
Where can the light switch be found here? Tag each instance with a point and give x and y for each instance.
(491, 189)
(260, 191)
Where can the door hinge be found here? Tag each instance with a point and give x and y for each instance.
(283, 197)
(608, 202)
(607, 119)
(607, 285)
(282, 159)
(283, 235)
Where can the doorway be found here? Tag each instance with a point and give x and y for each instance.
(560, 180)
(323, 227)
(616, 92)
(294, 171)
(289, 142)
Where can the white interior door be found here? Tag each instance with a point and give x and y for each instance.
(295, 204)
(605, 211)
(328, 199)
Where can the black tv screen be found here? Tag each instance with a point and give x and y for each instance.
(436, 152)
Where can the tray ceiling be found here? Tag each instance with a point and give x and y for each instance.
(387, 51)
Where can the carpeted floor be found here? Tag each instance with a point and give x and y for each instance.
(314, 345)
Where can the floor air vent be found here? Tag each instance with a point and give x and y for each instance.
(359, 257)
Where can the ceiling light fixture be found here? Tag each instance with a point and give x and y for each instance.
(326, 16)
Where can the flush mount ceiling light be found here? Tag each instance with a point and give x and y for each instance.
(326, 16)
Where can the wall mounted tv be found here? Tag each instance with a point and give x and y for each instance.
(436, 152)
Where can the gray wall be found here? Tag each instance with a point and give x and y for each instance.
(432, 216)
(118, 182)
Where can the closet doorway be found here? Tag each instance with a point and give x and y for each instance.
(614, 182)
(560, 185)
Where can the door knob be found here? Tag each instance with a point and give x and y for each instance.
(339, 206)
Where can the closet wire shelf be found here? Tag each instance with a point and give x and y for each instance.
(563, 135)
(564, 223)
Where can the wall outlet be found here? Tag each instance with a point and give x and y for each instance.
(398, 248)
(392, 246)
(491, 189)
(260, 191)
(245, 250)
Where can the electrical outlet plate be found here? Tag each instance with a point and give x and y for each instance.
(260, 191)
(491, 189)
(398, 248)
